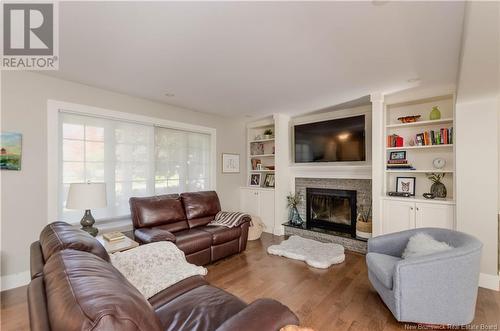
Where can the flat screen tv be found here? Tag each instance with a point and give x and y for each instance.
(337, 140)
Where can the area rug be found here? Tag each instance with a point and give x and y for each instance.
(314, 253)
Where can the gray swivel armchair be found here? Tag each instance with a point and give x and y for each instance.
(439, 288)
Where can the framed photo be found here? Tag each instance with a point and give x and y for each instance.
(254, 179)
(256, 148)
(10, 151)
(405, 185)
(397, 155)
(269, 180)
(230, 163)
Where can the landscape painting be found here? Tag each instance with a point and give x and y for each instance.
(10, 151)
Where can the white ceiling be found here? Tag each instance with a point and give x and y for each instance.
(243, 58)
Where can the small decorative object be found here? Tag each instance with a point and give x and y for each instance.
(437, 187)
(255, 164)
(257, 148)
(258, 137)
(86, 196)
(397, 155)
(292, 201)
(411, 142)
(255, 180)
(428, 195)
(268, 134)
(439, 163)
(435, 113)
(259, 166)
(269, 180)
(409, 119)
(405, 185)
(364, 225)
(230, 163)
(10, 151)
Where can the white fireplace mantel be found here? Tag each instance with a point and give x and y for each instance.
(331, 171)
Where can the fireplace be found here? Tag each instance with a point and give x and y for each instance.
(331, 209)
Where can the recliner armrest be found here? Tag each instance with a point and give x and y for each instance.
(262, 315)
(149, 235)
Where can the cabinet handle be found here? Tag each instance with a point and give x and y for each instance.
(417, 209)
(411, 208)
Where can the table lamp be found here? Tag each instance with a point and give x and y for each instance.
(86, 196)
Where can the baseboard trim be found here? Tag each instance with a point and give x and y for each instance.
(15, 280)
(488, 281)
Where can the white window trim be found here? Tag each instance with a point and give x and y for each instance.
(53, 149)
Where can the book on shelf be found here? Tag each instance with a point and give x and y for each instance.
(113, 236)
(400, 166)
(443, 136)
(397, 161)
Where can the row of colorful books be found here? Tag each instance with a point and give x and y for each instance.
(394, 140)
(442, 136)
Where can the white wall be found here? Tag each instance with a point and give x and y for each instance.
(24, 198)
(477, 141)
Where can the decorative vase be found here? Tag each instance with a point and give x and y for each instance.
(435, 113)
(439, 190)
(294, 216)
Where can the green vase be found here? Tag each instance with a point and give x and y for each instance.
(435, 113)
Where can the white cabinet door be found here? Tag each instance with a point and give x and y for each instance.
(434, 215)
(249, 202)
(398, 216)
(266, 204)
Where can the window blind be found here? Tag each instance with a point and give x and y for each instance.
(133, 159)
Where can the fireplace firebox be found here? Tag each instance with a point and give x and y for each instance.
(331, 209)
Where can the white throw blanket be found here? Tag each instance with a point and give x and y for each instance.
(153, 267)
(229, 219)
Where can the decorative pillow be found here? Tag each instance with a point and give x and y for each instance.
(153, 267)
(422, 244)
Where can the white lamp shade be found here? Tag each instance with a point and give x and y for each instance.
(86, 196)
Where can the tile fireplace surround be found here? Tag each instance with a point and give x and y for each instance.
(363, 187)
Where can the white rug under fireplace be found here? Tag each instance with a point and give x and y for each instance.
(314, 253)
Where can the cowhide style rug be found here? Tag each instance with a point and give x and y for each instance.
(314, 253)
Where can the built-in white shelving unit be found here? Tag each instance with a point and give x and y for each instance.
(420, 157)
(261, 150)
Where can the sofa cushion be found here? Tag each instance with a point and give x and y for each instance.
(61, 235)
(221, 234)
(382, 267)
(204, 308)
(200, 204)
(86, 293)
(193, 240)
(157, 210)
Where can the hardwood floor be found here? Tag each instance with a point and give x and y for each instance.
(339, 298)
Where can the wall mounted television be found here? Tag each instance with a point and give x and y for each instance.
(336, 140)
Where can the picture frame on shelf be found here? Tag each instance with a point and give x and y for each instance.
(397, 155)
(255, 180)
(230, 163)
(406, 185)
(269, 180)
(256, 149)
(256, 164)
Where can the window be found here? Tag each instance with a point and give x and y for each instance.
(133, 159)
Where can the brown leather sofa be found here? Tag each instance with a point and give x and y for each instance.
(183, 220)
(75, 287)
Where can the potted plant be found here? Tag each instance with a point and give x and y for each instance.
(437, 187)
(364, 224)
(268, 133)
(292, 201)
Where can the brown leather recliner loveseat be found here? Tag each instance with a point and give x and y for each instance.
(75, 287)
(183, 220)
